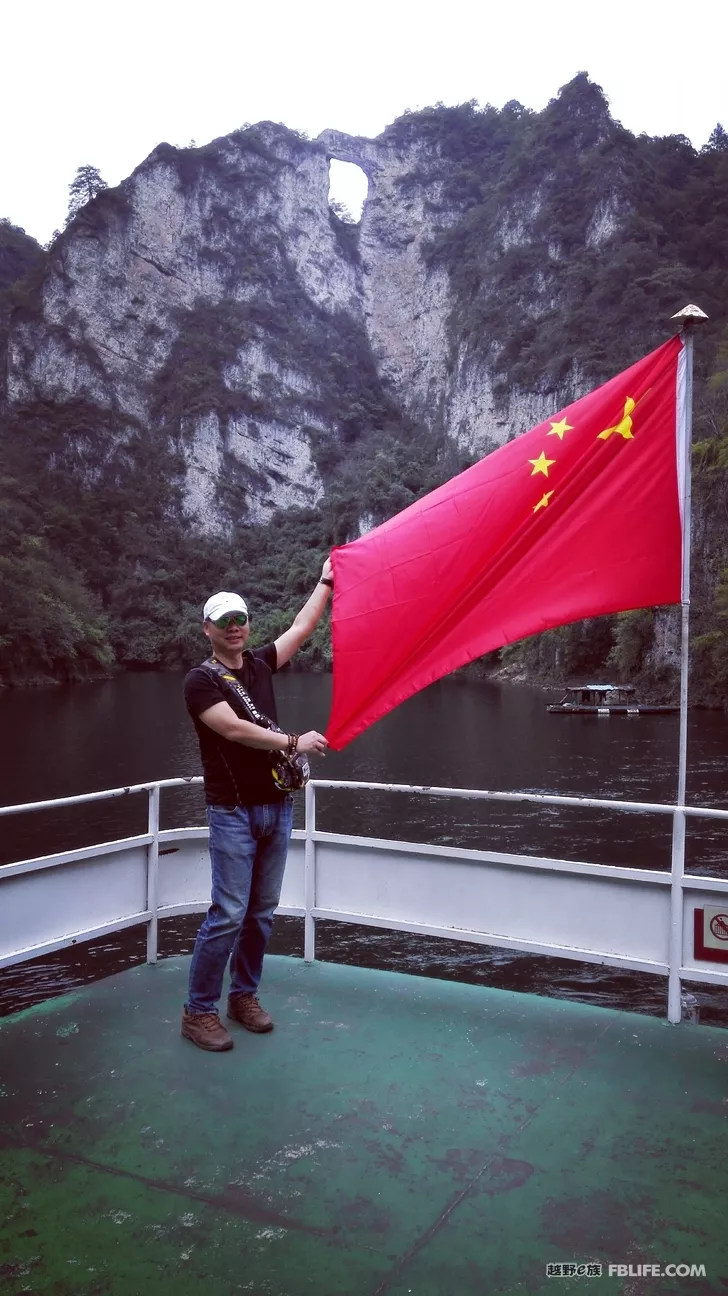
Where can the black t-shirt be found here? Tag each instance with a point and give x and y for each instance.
(235, 774)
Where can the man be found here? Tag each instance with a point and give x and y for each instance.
(249, 817)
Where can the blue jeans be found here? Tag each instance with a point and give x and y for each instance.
(248, 847)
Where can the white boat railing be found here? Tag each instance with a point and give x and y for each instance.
(630, 918)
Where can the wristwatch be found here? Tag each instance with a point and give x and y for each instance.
(326, 580)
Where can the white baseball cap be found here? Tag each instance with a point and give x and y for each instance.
(222, 605)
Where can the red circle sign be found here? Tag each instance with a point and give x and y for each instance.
(719, 926)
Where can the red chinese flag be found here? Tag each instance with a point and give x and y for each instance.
(578, 517)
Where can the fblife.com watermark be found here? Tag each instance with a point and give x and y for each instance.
(574, 1269)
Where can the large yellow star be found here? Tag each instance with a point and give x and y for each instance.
(624, 427)
(558, 429)
(543, 502)
(541, 465)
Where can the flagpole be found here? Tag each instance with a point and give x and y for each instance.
(684, 396)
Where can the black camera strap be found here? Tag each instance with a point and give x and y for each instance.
(230, 684)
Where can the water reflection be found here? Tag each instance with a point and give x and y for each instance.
(118, 732)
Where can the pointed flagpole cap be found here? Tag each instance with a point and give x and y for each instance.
(689, 313)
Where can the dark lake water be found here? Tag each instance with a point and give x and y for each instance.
(66, 740)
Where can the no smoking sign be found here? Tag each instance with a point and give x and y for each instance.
(711, 934)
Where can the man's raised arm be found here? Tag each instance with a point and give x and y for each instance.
(308, 618)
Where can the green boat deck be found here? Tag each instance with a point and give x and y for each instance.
(394, 1135)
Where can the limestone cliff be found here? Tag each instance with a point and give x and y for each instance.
(165, 302)
(215, 299)
(210, 345)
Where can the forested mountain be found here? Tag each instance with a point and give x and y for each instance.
(211, 377)
(21, 262)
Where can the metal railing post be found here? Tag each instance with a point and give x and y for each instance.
(153, 874)
(309, 876)
(675, 954)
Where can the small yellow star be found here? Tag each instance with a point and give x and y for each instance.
(541, 465)
(558, 429)
(543, 502)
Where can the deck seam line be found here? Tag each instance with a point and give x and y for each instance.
(449, 1210)
(160, 1185)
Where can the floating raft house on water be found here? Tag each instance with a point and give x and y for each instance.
(605, 699)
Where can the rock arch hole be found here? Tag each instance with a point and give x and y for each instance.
(348, 186)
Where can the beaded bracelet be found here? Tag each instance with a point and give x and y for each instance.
(292, 744)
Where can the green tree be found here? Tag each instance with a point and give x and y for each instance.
(632, 640)
(718, 142)
(341, 210)
(86, 184)
(53, 627)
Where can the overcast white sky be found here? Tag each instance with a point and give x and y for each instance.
(103, 83)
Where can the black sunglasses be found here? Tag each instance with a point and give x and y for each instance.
(232, 618)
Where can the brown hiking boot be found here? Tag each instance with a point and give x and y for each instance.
(206, 1031)
(244, 1008)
